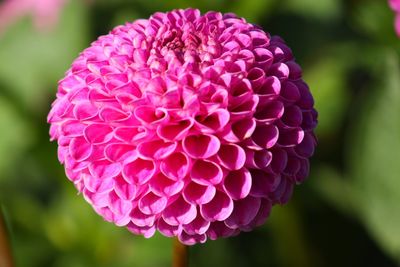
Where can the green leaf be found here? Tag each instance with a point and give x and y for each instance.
(374, 160)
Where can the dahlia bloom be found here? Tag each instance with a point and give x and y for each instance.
(193, 125)
(395, 6)
(45, 12)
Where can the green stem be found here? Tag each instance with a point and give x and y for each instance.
(179, 254)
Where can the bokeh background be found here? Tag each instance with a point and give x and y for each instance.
(346, 214)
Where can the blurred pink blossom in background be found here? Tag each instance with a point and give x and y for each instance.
(45, 13)
(395, 5)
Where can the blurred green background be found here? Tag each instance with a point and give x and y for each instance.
(346, 214)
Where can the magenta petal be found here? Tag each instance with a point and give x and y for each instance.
(98, 133)
(206, 172)
(306, 148)
(174, 132)
(72, 128)
(157, 149)
(201, 146)
(197, 227)
(263, 183)
(290, 137)
(238, 184)
(149, 115)
(129, 134)
(218, 209)
(166, 229)
(176, 166)
(179, 212)
(219, 229)
(232, 156)
(141, 219)
(198, 194)
(245, 211)
(79, 149)
(85, 110)
(270, 112)
(123, 189)
(146, 231)
(104, 169)
(266, 136)
(119, 206)
(191, 239)
(163, 186)
(214, 121)
(120, 152)
(139, 171)
(152, 204)
(244, 128)
(112, 114)
(293, 116)
(261, 217)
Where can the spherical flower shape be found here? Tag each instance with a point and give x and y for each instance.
(193, 125)
(395, 6)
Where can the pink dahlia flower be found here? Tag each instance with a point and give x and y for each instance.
(395, 5)
(193, 125)
(45, 12)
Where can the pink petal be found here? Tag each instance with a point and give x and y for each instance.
(139, 171)
(123, 189)
(85, 110)
(129, 134)
(109, 114)
(258, 159)
(197, 227)
(119, 206)
(152, 204)
(104, 169)
(263, 183)
(98, 133)
(191, 239)
(177, 131)
(141, 219)
(198, 194)
(292, 116)
(218, 209)
(179, 212)
(266, 136)
(163, 186)
(290, 137)
(244, 212)
(231, 156)
(214, 121)
(149, 115)
(201, 146)
(146, 231)
(166, 229)
(238, 184)
(120, 152)
(156, 149)
(79, 149)
(206, 172)
(270, 112)
(219, 230)
(176, 166)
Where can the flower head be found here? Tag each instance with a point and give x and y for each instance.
(193, 125)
